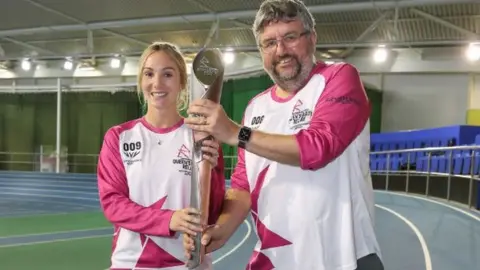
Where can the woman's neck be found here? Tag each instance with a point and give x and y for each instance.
(162, 118)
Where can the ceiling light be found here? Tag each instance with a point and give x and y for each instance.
(473, 52)
(229, 56)
(26, 64)
(68, 65)
(115, 62)
(380, 55)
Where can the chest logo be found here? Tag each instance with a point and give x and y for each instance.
(183, 160)
(256, 121)
(300, 116)
(131, 151)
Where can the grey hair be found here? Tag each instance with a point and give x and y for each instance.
(282, 10)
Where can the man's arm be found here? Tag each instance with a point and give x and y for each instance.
(114, 198)
(236, 205)
(339, 116)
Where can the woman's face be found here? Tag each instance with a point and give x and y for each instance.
(161, 81)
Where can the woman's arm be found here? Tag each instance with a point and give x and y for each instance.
(114, 195)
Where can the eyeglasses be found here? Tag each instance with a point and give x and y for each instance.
(289, 41)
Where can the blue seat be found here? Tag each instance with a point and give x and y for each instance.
(439, 159)
(422, 162)
(466, 159)
(381, 159)
(443, 160)
(476, 168)
(374, 158)
(395, 158)
(405, 156)
(467, 162)
(422, 157)
(458, 161)
(415, 156)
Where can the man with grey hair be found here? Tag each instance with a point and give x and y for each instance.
(303, 155)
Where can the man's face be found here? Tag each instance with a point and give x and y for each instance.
(287, 50)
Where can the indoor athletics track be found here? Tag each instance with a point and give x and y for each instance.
(53, 222)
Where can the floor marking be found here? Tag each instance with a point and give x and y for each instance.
(247, 235)
(56, 240)
(423, 243)
(54, 232)
(432, 201)
(73, 182)
(49, 196)
(49, 190)
(42, 185)
(50, 213)
(23, 213)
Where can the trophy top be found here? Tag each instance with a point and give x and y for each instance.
(208, 65)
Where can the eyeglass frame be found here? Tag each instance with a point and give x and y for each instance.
(292, 44)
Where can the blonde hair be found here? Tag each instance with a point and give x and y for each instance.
(174, 52)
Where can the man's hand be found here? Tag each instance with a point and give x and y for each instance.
(212, 239)
(214, 121)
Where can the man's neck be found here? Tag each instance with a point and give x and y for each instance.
(282, 93)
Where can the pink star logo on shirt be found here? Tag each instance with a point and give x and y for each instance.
(268, 238)
(154, 256)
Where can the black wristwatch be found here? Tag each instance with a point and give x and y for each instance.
(244, 136)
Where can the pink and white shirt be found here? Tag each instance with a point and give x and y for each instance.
(319, 216)
(143, 177)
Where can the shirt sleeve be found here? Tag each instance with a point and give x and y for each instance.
(217, 189)
(340, 114)
(114, 195)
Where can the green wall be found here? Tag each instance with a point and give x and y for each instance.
(235, 97)
(29, 120)
(376, 99)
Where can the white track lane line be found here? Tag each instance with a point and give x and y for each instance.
(423, 243)
(247, 235)
(56, 240)
(55, 232)
(432, 201)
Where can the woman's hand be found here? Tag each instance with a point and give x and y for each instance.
(186, 220)
(210, 151)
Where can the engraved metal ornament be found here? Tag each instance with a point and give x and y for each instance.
(208, 66)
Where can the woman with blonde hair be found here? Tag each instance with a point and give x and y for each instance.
(144, 170)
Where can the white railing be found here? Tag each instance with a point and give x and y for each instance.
(459, 162)
(445, 162)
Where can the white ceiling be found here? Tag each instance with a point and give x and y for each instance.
(47, 29)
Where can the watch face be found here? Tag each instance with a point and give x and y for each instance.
(244, 133)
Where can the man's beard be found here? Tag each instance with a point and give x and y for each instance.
(292, 74)
(293, 79)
